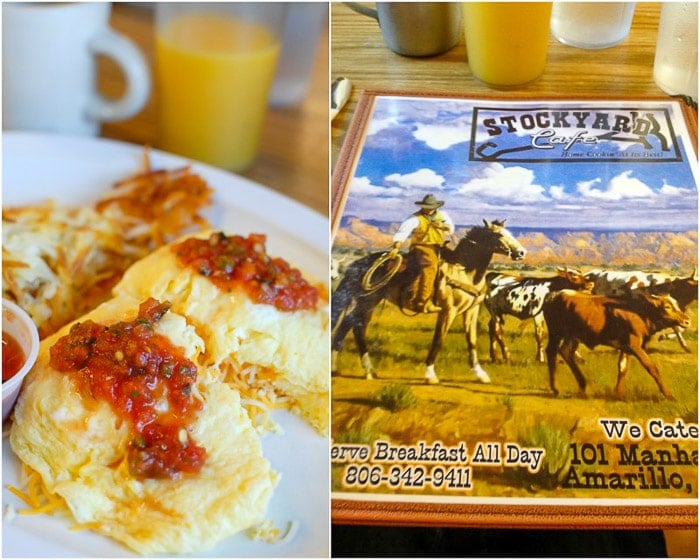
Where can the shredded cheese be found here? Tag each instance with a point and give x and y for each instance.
(260, 415)
(259, 395)
(37, 496)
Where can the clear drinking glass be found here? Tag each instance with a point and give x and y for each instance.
(303, 28)
(215, 63)
(676, 60)
(592, 25)
(506, 41)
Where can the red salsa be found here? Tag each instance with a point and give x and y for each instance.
(233, 261)
(146, 380)
(12, 356)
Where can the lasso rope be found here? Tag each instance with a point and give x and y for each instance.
(369, 283)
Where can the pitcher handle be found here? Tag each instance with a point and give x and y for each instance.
(362, 9)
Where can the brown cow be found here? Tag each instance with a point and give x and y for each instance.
(622, 323)
(684, 289)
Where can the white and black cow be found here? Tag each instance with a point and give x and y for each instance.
(617, 283)
(683, 289)
(522, 297)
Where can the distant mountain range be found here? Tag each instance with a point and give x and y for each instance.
(667, 250)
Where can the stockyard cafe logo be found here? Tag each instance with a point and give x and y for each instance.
(569, 134)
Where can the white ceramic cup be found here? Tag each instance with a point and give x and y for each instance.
(49, 53)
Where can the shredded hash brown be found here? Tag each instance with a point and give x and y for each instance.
(59, 262)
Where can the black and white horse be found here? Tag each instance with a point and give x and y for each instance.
(459, 291)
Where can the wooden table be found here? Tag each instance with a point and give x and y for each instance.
(359, 54)
(294, 151)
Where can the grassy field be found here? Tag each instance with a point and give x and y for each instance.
(516, 407)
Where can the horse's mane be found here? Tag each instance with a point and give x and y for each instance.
(468, 241)
(457, 254)
(466, 245)
(471, 235)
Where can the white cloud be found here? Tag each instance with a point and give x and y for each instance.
(377, 125)
(557, 192)
(505, 185)
(364, 187)
(620, 187)
(421, 179)
(671, 191)
(441, 137)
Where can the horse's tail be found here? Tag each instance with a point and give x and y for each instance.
(349, 289)
(367, 282)
(340, 300)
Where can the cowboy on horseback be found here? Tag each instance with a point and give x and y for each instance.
(429, 230)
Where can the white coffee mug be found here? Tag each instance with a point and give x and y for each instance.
(49, 64)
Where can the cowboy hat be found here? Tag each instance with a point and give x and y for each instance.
(429, 201)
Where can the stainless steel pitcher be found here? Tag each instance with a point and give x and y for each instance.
(416, 28)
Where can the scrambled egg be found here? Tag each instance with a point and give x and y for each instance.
(249, 357)
(78, 446)
(276, 357)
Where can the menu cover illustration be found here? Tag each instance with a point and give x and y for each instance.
(514, 313)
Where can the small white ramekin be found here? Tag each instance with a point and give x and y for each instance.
(17, 323)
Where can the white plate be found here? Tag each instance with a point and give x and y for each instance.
(78, 171)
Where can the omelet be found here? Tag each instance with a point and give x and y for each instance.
(80, 447)
(270, 354)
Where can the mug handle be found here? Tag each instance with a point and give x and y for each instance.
(136, 72)
(361, 9)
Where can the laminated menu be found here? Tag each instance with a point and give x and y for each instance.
(514, 313)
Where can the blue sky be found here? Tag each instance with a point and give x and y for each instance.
(415, 146)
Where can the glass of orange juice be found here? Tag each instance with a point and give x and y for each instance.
(506, 41)
(214, 66)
